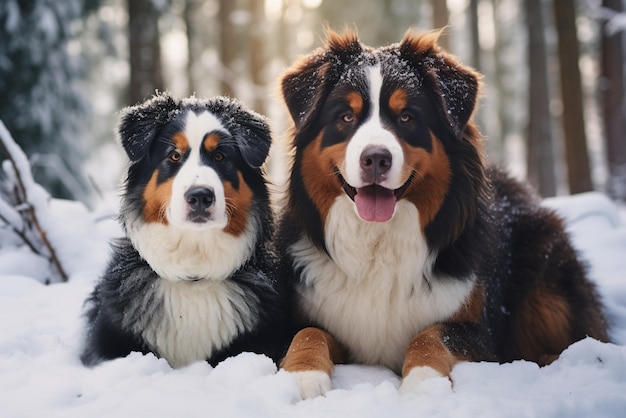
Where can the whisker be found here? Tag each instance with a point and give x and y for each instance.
(163, 209)
(231, 207)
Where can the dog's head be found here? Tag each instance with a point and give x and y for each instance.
(195, 164)
(380, 125)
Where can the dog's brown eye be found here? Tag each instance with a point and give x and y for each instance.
(347, 117)
(405, 117)
(175, 156)
(218, 156)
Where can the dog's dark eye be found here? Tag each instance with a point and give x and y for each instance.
(347, 117)
(218, 156)
(174, 156)
(405, 117)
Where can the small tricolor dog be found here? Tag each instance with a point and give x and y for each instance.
(194, 278)
(403, 249)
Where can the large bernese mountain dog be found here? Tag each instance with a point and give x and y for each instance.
(195, 277)
(403, 248)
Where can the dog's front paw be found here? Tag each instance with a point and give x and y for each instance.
(312, 383)
(424, 381)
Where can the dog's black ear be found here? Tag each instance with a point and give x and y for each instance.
(455, 87)
(253, 137)
(303, 88)
(304, 85)
(139, 124)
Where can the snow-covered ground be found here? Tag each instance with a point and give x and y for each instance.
(41, 331)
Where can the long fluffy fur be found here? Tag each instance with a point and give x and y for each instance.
(470, 266)
(215, 293)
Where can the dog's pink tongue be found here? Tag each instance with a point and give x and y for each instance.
(375, 203)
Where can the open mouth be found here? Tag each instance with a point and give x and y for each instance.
(374, 203)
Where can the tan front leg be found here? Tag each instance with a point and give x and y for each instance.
(311, 358)
(428, 350)
(426, 357)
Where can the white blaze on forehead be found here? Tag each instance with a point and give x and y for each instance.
(198, 125)
(182, 250)
(194, 174)
(373, 133)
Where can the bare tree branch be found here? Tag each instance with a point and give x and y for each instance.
(13, 220)
(24, 181)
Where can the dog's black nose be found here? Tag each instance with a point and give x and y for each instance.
(199, 198)
(375, 163)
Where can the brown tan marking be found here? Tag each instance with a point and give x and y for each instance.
(238, 203)
(355, 101)
(157, 198)
(432, 179)
(347, 40)
(181, 141)
(398, 101)
(211, 142)
(318, 176)
(428, 349)
(541, 330)
(424, 42)
(313, 349)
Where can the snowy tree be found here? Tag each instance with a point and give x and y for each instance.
(42, 106)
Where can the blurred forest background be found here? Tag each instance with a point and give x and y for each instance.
(552, 108)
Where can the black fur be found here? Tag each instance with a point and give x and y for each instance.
(124, 296)
(124, 301)
(489, 226)
(531, 250)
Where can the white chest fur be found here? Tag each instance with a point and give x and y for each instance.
(372, 295)
(198, 319)
(178, 254)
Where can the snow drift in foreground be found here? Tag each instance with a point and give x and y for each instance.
(41, 331)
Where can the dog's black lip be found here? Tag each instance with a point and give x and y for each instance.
(351, 191)
(400, 190)
(199, 218)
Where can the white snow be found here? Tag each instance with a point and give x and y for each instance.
(41, 330)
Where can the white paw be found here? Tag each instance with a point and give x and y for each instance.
(424, 381)
(312, 383)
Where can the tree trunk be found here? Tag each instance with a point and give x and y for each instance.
(540, 148)
(504, 91)
(256, 51)
(612, 89)
(441, 16)
(578, 171)
(228, 48)
(475, 34)
(144, 49)
(190, 11)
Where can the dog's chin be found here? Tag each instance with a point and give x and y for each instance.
(374, 203)
(192, 279)
(204, 223)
